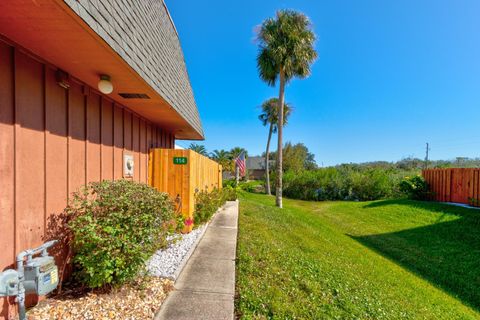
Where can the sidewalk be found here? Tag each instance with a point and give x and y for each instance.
(206, 286)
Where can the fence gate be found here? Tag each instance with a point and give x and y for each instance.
(183, 173)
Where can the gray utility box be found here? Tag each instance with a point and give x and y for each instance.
(41, 275)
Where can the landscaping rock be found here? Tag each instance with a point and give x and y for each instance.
(166, 262)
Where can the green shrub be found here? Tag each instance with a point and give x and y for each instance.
(341, 183)
(229, 183)
(207, 203)
(230, 193)
(414, 187)
(117, 226)
(373, 184)
(253, 186)
(321, 184)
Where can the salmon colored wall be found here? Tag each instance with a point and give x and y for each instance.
(52, 141)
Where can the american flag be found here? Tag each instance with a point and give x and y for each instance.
(240, 162)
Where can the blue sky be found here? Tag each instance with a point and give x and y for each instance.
(391, 75)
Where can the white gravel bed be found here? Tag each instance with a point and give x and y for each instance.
(164, 263)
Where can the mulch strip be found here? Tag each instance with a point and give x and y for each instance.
(139, 300)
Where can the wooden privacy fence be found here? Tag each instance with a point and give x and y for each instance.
(461, 185)
(183, 173)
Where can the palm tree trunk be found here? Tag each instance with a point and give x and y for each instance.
(281, 100)
(267, 155)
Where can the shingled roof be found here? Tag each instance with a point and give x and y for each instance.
(255, 163)
(143, 34)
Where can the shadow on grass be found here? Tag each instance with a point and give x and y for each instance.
(446, 253)
(427, 205)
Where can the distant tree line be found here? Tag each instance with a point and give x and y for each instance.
(297, 157)
(412, 163)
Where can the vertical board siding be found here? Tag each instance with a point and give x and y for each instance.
(29, 151)
(52, 141)
(56, 147)
(118, 135)
(136, 146)
(93, 158)
(461, 185)
(200, 173)
(143, 152)
(7, 156)
(127, 130)
(107, 140)
(76, 137)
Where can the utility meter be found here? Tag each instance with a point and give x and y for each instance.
(41, 275)
(37, 275)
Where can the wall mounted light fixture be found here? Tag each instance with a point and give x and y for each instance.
(105, 85)
(62, 78)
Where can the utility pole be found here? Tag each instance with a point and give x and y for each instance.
(426, 155)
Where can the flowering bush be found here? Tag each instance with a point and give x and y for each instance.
(117, 226)
(207, 203)
(414, 187)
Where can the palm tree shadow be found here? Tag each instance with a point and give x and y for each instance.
(447, 253)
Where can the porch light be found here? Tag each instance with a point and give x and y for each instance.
(105, 85)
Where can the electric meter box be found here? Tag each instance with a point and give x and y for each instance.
(41, 275)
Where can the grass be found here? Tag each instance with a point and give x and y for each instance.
(394, 259)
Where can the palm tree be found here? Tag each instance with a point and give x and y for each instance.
(235, 152)
(198, 148)
(219, 155)
(269, 116)
(223, 157)
(286, 51)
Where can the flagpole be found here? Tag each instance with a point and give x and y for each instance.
(240, 158)
(237, 173)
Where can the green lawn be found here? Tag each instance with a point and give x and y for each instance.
(393, 259)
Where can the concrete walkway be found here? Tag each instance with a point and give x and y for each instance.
(206, 286)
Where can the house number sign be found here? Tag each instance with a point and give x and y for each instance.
(179, 160)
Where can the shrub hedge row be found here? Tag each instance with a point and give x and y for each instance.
(206, 203)
(344, 183)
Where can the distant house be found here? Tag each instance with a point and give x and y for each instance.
(227, 175)
(256, 167)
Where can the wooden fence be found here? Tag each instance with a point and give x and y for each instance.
(182, 173)
(461, 185)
